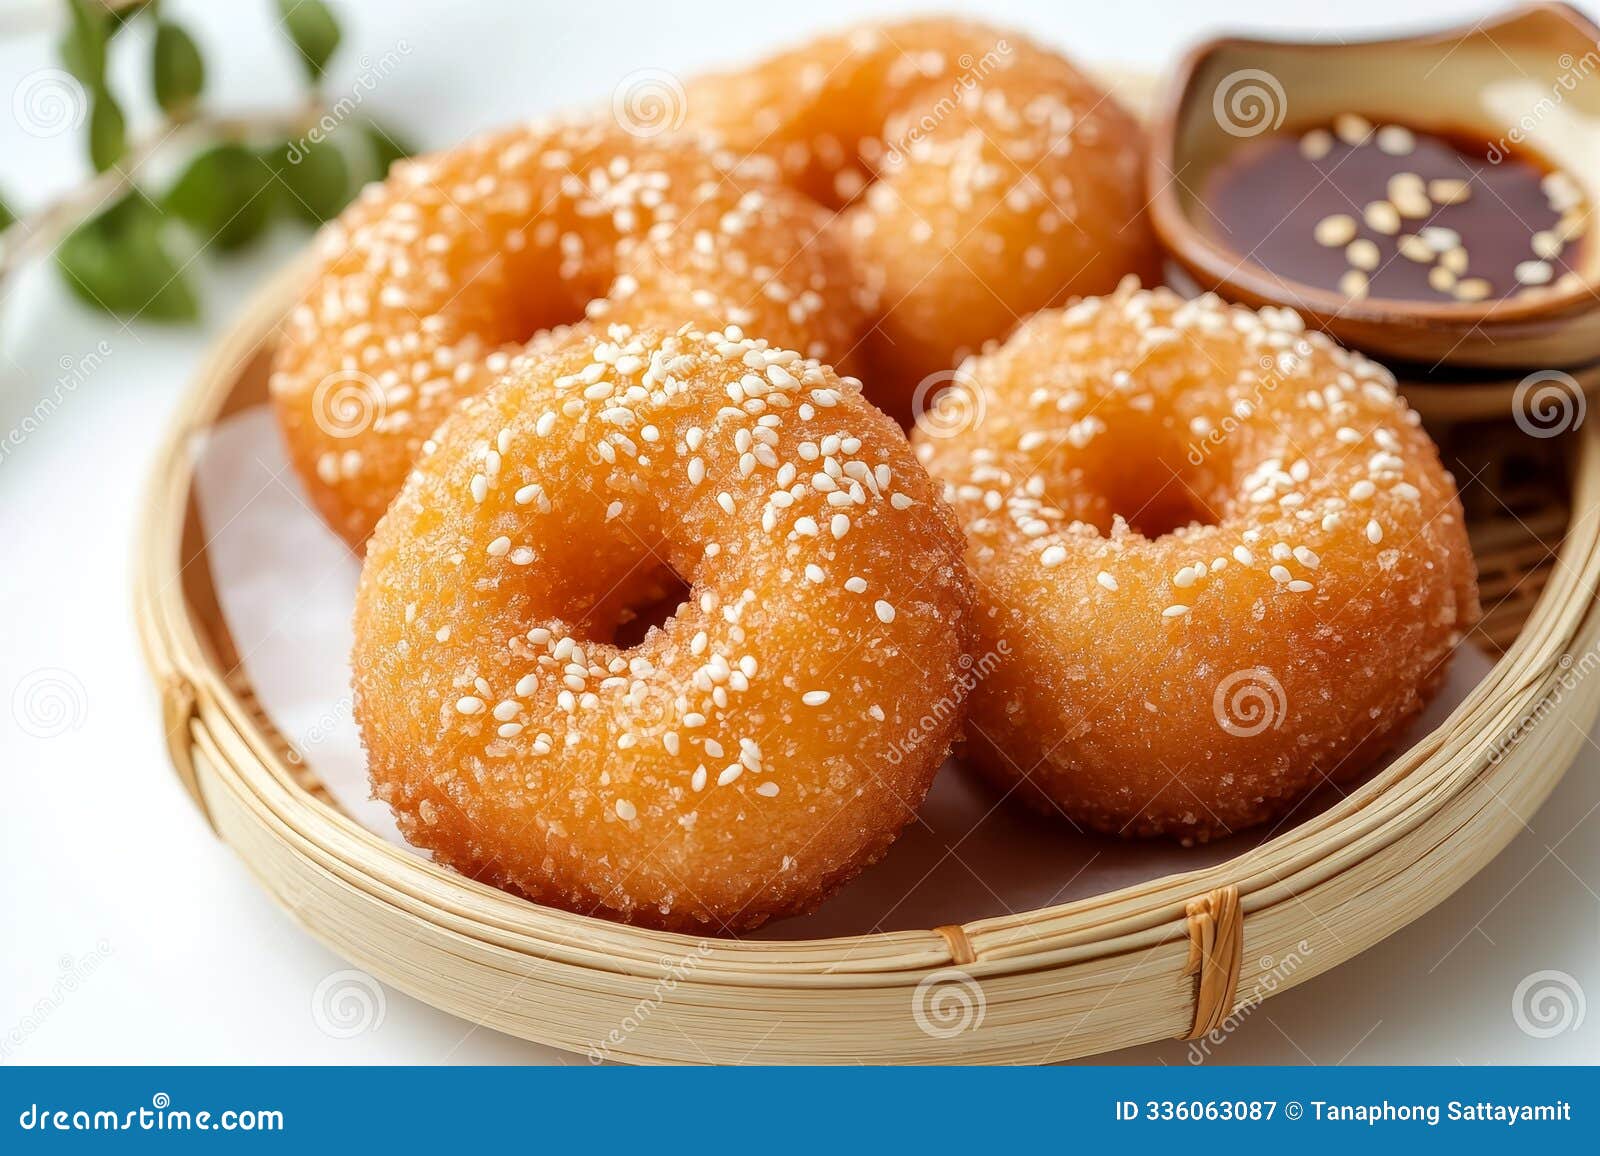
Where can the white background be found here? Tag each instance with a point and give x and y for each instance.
(102, 855)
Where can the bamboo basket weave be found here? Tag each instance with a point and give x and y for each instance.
(1172, 957)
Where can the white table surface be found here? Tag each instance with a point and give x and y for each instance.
(108, 878)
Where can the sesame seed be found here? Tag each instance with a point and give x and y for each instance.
(1396, 140)
(1448, 190)
(1351, 128)
(1414, 248)
(1363, 254)
(1382, 217)
(767, 790)
(1105, 579)
(884, 611)
(1534, 272)
(1333, 231)
(1299, 586)
(470, 704)
(1374, 532)
(855, 584)
(816, 697)
(1052, 556)
(1243, 556)
(626, 811)
(1316, 144)
(1174, 611)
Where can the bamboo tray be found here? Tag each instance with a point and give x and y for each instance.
(1169, 958)
(1172, 957)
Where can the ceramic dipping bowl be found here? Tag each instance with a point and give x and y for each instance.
(1525, 82)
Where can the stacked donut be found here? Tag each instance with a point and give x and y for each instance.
(658, 600)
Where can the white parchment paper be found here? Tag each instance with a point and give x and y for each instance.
(287, 586)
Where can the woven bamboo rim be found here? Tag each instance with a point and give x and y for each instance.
(1169, 958)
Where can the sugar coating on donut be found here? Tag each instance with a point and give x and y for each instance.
(981, 175)
(1222, 548)
(745, 756)
(433, 279)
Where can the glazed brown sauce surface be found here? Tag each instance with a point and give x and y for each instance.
(1266, 199)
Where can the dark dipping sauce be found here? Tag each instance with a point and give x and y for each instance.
(1288, 202)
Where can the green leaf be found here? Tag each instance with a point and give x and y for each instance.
(177, 69)
(386, 146)
(108, 132)
(314, 31)
(117, 262)
(317, 178)
(83, 46)
(225, 194)
(7, 217)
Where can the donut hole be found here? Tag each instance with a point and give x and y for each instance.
(663, 596)
(1155, 492)
(1158, 513)
(649, 594)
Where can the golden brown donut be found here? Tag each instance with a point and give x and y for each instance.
(1222, 550)
(981, 176)
(434, 279)
(740, 760)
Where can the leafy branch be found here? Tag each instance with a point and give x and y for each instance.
(115, 240)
